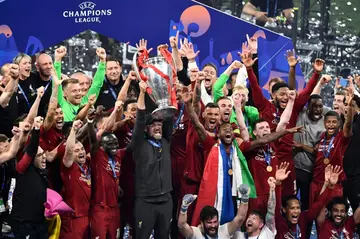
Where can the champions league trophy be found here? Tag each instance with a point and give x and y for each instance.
(159, 74)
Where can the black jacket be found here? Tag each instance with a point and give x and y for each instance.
(152, 168)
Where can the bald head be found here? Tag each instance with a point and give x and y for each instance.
(44, 65)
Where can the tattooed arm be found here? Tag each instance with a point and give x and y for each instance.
(197, 97)
(270, 215)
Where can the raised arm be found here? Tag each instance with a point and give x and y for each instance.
(280, 175)
(98, 77)
(331, 178)
(53, 103)
(138, 133)
(221, 81)
(32, 147)
(185, 229)
(292, 61)
(323, 80)
(68, 158)
(257, 95)
(286, 115)
(244, 133)
(200, 130)
(234, 225)
(11, 86)
(85, 109)
(111, 120)
(94, 144)
(35, 107)
(347, 128)
(270, 215)
(60, 53)
(125, 88)
(14, 147)
(175, 52)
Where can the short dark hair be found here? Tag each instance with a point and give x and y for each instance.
(128, 102)
(112, 58)
(66, 82)
(332, 113)
(285, 200)
(208, 212)
(337, 200)
(259, 214)
(211, 105)
(211, 65)
(106, 133)
(223, 98)
(260, 120)
(275, 80)
(314, 97)
(278, 85)
(3, 138)
(357, 100)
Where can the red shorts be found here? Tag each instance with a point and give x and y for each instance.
(259, 204)
(74, 227)
(105, 222)
(289, 184)
(315, 189)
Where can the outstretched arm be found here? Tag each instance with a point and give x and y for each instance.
(14, 147)
(200, 129)
(35, 107)
(11, 86)
(68, 158)
(292, 61)
(184, 227)
(349, 119)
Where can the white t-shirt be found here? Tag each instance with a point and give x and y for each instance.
(265, 233)
(223, 233)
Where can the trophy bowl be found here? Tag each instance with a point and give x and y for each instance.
(160, 80)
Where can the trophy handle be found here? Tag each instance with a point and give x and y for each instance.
(136, 68)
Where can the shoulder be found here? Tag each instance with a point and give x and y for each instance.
(197, 233)
(266, 233)
(223, 231)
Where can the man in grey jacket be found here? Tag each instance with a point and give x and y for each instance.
(150, 145)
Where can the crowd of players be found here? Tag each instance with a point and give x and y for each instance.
(230, 164)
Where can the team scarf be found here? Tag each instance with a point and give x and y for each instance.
(215, 189)
(205, 97)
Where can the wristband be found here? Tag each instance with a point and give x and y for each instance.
(192, 65)
(183, 209)
(244, 200)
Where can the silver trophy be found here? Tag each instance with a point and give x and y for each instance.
(159, 74)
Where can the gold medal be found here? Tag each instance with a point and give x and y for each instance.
(230, 172)
(326, 161)
(89, 182)
(269, 169)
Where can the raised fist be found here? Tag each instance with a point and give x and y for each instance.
(14, 71)
(38, 122)
(77, 125)
(188, 199)
(40, 91)
(60, 53)
(101, 53)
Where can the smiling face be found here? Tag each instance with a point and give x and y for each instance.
(59, 118)
(25, 67)
(113, 71)
(79, 153)
(225, 106)
(292, 211)
(211, 117)
(84, 82)
(332, 125)
(154, 130)
(316, 109)
(73, 93)
(40, 159)
(226, 134)
(211, 226)
(338, 104)
(254, 224)
(44, 65)
(110, 144)
(210, 77)
(281, 97)
(338, 214)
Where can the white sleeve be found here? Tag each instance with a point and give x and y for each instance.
(241, 77)
(223, 232)
(266, 233)
(197, 233)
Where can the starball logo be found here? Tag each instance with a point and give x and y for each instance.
(87, 13)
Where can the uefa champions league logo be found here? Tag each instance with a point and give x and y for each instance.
(87, 13)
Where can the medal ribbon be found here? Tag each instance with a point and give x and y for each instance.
(155, 144)
(225, 155)
(112, 164)
(267, 155)
(87, 173)
(297, 233)
(327, 150)
(112, 91)
(177, 122)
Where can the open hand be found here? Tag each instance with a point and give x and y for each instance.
(281, 173)
(319, 65)
(297, 129)
(142, 46)
(291, 58)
